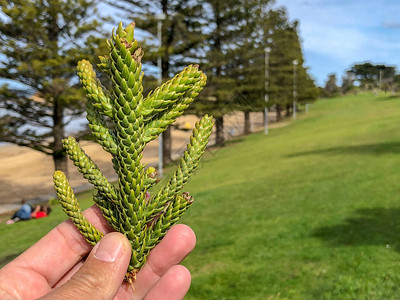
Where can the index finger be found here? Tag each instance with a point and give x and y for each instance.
(59, 250)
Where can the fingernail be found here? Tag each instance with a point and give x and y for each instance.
(109, 248)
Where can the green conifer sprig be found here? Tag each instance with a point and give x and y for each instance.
(135, 120)
(93, 88)
(70, 205)
(102, 134)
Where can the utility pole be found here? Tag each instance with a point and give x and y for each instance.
(266, 88)
(160, 18)
(294, 89)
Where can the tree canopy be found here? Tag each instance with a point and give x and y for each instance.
(370, 76)
(41, 43)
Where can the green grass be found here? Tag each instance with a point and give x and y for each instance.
(16, 238)
(311, 211)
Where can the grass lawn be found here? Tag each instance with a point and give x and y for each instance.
(311, 211)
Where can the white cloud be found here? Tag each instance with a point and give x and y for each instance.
(342, 32)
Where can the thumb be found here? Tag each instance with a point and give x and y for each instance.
(103, 272)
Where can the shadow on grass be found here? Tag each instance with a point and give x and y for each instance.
(369, 226)
(391, 97)
(368, 149)
(234, 141)
(6, 259)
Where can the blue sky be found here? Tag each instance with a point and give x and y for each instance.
(338, 33)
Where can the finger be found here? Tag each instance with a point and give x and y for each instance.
(172, 286)
(178, 243)
(174, 247)
(64, 247)
(70, 273)
(102, 274)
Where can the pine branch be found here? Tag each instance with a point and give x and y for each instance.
(70, 206)
(136, 120)
(168, 93)
(97, 95)
(97, 125)
(160, 121)
(126, 76)
(168, 217)
(89, 169)
(188, 164)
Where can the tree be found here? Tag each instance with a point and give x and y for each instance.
(282, 37)
(371, 76)
(331, 89)
(248, 58)
(396, 83)
(307, 91)
(347, 82)
(181, 34)
(245, 31)
(222, 19)
(41, 43)
(261, 28)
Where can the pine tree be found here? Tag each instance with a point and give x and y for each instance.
(136, 120)
(307, 91)
(181, 35)
(283, 39)
(331, 89)
(41, 42)
(248, 58)
(222, 19)
(280, 34)
(235, 60)
(347, 82)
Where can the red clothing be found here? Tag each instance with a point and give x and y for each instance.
(39, 214)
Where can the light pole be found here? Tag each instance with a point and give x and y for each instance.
(160, 18)
(266, 88)
(294, 89)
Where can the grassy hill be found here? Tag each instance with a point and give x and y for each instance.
(311, 211)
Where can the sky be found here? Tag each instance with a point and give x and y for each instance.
(338, 33)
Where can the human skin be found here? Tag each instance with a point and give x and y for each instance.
(62, 265)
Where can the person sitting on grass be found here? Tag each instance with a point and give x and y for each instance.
(40, 212)
(24, 213)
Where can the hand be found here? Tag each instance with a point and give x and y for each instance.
(55, 268)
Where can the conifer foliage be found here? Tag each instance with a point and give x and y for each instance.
(40, 45)
(136, 120)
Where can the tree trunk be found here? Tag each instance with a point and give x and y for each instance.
(247, 129)
(60, 160)
(263, 112)
(219, 121)
(219, 126)
(287, 110)
(59, 156)
(167, 141)
(278, 113)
